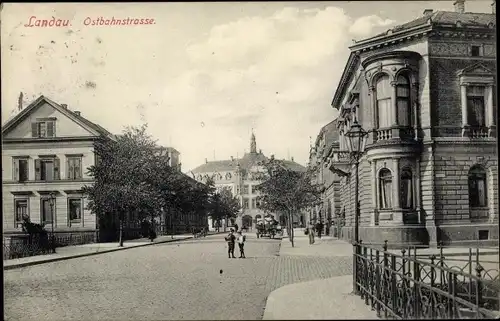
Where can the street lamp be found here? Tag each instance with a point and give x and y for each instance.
(356, 145)
(52, 200)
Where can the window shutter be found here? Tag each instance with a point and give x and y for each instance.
(38, 172)
(34, 129)
(50, 129)
(15, 171)
(56, 169)
(78, 168)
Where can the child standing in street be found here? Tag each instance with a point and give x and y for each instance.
(230, 239)
(241, 244)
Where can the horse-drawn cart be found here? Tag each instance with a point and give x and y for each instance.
(267, 227)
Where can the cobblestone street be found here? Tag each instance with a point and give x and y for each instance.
(165, 281)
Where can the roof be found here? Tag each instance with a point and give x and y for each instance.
(444, 18)
(246, 162)
(330, 132)
(421, 24)
(71, 114)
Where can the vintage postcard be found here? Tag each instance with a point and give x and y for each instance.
(250, 160)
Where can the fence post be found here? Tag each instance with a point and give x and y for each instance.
(451, 295)
(384, 279)
(479, 295)
(370, 279)
(416, 290)
(366, 278)
(433, 282)
(377, 282)
(441, 263)
(403, 281)
(394, 301)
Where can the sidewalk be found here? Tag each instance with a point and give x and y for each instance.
(75, 251)
(320, 299)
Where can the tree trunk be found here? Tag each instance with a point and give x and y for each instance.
(120, 236)
(290, 222)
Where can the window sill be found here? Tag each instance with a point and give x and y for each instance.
(76, 221)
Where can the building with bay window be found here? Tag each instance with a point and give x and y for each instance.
(425, 92)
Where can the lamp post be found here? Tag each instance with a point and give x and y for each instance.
(356, 145)
(52, 200)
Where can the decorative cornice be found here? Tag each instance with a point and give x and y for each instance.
(400, 54)
(347, 74)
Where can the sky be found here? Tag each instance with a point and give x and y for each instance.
(203, 74)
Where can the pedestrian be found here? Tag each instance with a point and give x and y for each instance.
(311, 233)
(319, 229)
(241, 243)
(236, 228)
(230, 239)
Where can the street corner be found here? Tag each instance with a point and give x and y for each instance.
(320, 299)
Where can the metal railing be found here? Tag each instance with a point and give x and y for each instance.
(403, 286)
(22, 245)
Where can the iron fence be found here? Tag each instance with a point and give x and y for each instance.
(405, 286)
(19, 246)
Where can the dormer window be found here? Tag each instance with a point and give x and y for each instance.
(43, 128)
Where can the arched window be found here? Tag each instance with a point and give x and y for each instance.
(383, 94)
(406, 189)
(385, 188)
(403, 101)
(477, 187)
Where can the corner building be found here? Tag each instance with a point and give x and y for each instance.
(425, 92)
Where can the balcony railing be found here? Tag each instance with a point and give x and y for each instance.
(383, 134)
(478, 132)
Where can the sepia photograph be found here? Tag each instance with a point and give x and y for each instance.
(254, 160)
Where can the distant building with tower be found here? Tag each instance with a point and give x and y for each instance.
(240, 176)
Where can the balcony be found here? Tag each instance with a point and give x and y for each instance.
(396, 132)
(477, 132)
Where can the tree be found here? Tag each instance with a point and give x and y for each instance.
(124, 176)
(223, 205)
(287, 191)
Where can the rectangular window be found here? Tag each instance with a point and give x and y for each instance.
(74, 167)
(75, 209)
(384, 113)
(43, 129)
(476, 106)
(20, 171)
(246, 204)
(475, 51)
(21, 208)
(245, 189)
(47, 169)
(254, 203)
(46, 210)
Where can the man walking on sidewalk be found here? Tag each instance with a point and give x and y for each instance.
(230, 239)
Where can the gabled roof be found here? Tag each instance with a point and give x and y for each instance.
(216, 166)
(93, 127)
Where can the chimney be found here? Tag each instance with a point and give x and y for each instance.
(77, 112)
(232, 158)
(459, 6)
(65, 106)
(428, 12)
(493, 7)
(206, 160)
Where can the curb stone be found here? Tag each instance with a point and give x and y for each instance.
(21, 265)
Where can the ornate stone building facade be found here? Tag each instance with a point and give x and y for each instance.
(240, 176)
(329, 211)
(425, 93)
